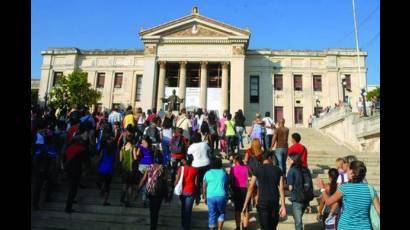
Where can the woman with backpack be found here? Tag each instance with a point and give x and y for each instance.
(253, 159)
(189, 183)
(128, 156)
(106, 165)
(155, 181)
(257, 128)
(145, 156)
(178, 147)
(328, 213)
(205, 135)
(238, 180)
(200, 151)
(358, 197)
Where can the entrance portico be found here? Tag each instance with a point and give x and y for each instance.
(201, 58)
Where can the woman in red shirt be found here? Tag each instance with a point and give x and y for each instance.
(188, 189)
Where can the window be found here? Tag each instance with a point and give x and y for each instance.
(278, 113)
(278, 81)
(172, 75)
(118, 80)
(192, 74)
(297, 82)
(139, 87)
(214, 75)
(100, 80)
(57, 75)
(348, 82)
(254, 89)
(298, 115)
(317, 83)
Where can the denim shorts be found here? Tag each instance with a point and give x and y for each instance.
(216, 210)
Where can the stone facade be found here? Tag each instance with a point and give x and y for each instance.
(198, 39)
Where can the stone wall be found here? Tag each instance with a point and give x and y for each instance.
(344, 127)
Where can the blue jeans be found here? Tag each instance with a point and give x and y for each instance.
(216, 210)
(186, 210)
(267, 141)
(239, 134)
(298, 210)
(281, 156)
(165, 151)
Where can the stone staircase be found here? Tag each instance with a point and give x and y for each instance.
(90, 214)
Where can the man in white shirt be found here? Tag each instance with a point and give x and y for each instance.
(184, 123)
(269, 128)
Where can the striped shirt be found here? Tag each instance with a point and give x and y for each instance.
(356, 206)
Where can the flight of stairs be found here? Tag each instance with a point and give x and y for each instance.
(90, 214)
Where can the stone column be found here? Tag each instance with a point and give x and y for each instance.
(203, 85)
(161, 84)
(224, 89)
(182, 82)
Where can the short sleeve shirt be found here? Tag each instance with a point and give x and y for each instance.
(268, 176)
(356, 206)
(216, 181)
(190, 174)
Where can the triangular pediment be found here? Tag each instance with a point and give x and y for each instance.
(195, 30)
(194, 26)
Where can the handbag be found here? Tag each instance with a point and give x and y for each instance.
(178, 187)
(374, 216)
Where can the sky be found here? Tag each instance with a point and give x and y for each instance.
(274, 24)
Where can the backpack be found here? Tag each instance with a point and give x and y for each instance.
(176, 145)
(304, 186)
(153, 134)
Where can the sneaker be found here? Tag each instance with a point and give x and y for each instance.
(106, 204)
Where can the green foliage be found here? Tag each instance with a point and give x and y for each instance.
(375, 92)
(73, 91)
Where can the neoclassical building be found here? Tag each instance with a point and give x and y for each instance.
(209, 64)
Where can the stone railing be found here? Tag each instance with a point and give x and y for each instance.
(359, 134)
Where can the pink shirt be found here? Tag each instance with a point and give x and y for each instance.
(222, 124)
(240, 175)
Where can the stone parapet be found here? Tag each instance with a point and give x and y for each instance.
(358, 134)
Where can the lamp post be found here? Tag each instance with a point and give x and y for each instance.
(45, 100)
(364, 101)
(317, 107)
(344, 87)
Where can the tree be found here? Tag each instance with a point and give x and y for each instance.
(73, 91)
(375, 92)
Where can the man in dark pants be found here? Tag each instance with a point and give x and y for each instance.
(270, 184)
(76, 154)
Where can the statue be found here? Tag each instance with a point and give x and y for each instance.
(173, 101)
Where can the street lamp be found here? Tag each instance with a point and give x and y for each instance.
(364, 101)
(317, 107)
(45, 101)
(344, 87)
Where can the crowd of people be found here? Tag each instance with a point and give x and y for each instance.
(159, 155)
